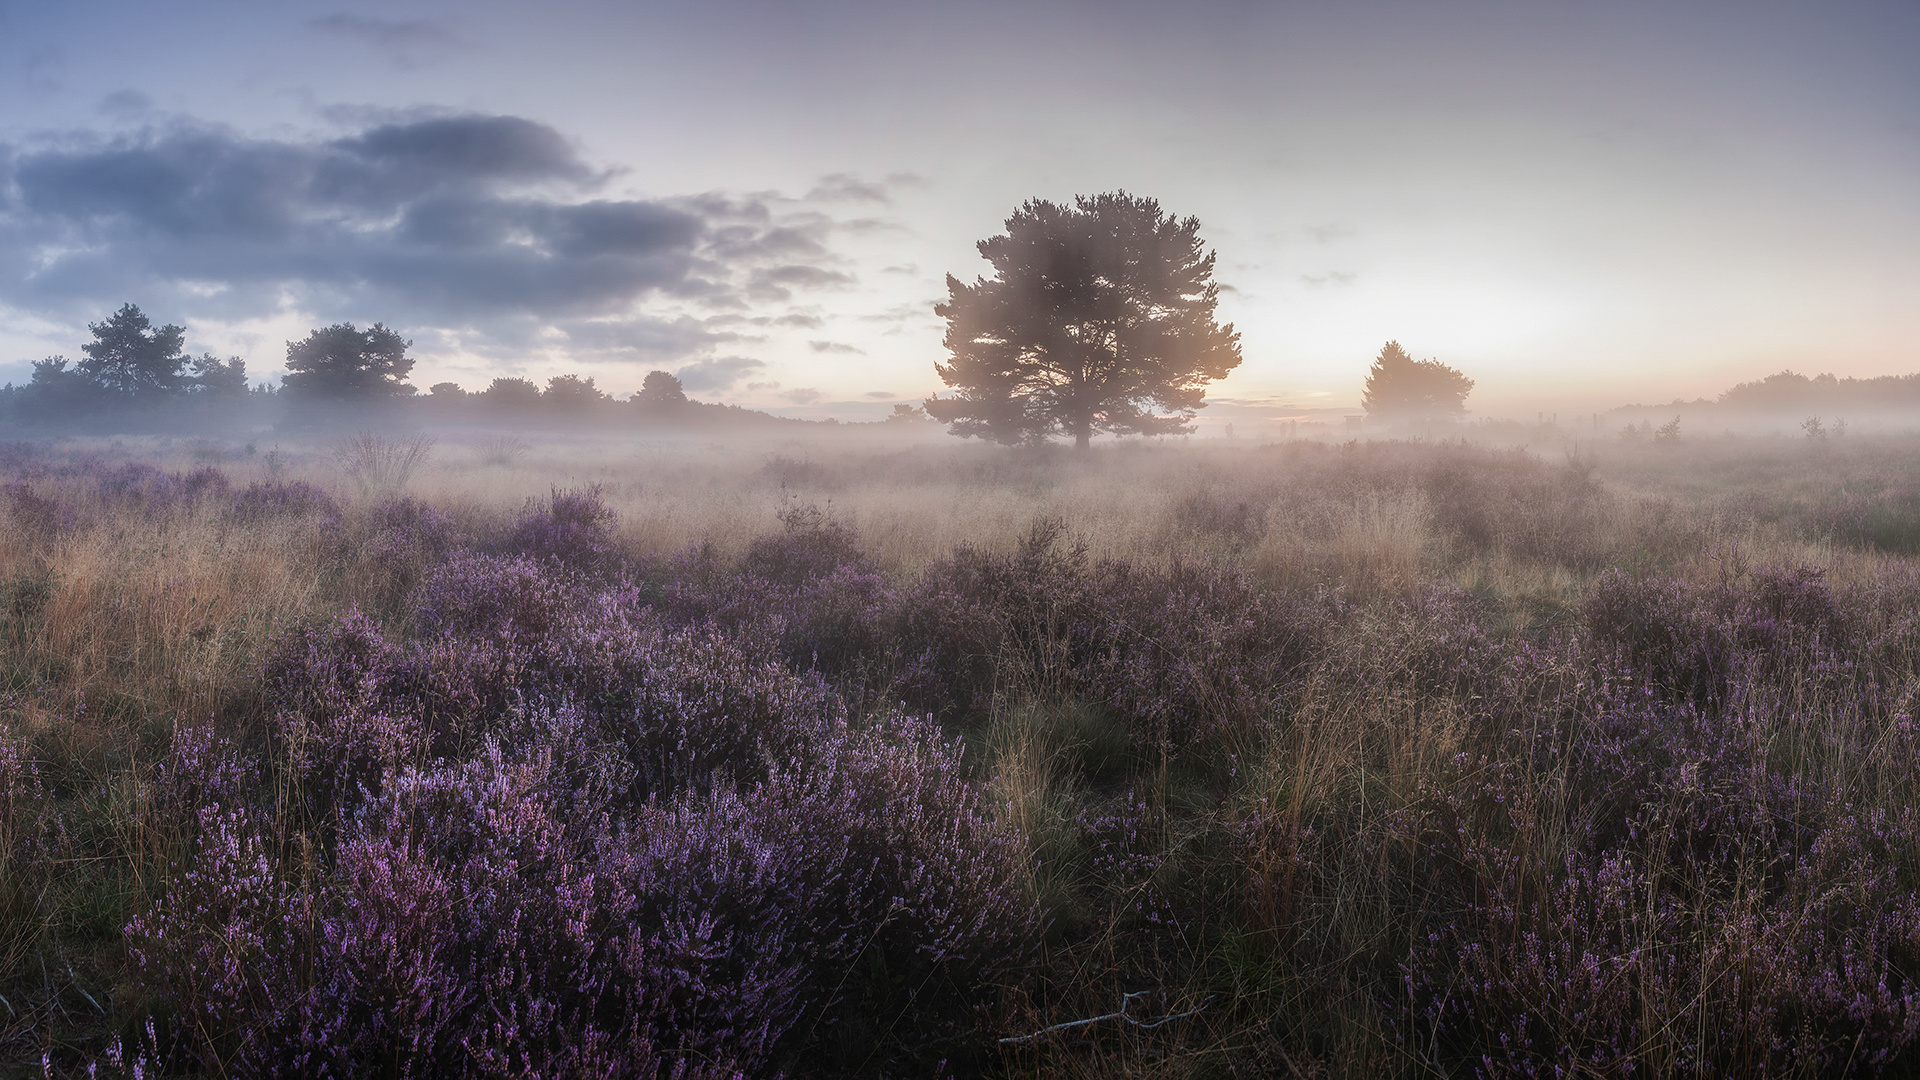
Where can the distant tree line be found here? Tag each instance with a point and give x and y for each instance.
(130, 365)
(134, 373)
(1788, 391)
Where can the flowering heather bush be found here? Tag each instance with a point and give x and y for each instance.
(271, 499)
(574, 530)
(1699, 642)
(1704, 912)
(45, 516)
(809, 591)
(386, 548)
(533, 914)
(1180, 653)
(31, 837)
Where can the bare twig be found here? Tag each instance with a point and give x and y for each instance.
(1119, 1015)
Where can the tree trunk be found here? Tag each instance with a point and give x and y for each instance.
(1082, 436)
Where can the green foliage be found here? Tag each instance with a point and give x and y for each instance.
(128, 358)
(345, 363)
(1400, 387)
(225, 380)
(1099, 317)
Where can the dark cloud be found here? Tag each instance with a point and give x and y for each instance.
(468, 150)
(835, 347)
(805, 395)
(483, 222)
(719, 373)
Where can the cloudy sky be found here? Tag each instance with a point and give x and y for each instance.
(1575, 203)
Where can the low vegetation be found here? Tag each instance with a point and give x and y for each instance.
(858, 759)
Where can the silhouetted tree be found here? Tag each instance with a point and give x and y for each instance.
(345, 363)
(217, 379)
(1099, 317)
(509, 395)
(1402, 388)
(662, 390)
(57, 388)
(128, 358)
(571, 393)
(447, 391)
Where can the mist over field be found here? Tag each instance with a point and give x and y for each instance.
(889, 540)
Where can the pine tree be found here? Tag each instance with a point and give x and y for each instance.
(1402, 388)
(345, 363)
(128, 358)
(1099, 317)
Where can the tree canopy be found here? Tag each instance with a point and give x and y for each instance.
(661, 390)
(1099, 317)
(129, 358)
(345, 363)
(1402, 388)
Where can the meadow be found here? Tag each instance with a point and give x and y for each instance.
(882, 754)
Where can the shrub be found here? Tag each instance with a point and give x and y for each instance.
(574, 529)
(378, 465)
(273, 499)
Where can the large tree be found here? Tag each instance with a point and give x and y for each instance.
(129, 358)
(345, 363)
(1099, 317)
(1402, 388)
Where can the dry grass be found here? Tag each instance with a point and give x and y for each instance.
(154, 621)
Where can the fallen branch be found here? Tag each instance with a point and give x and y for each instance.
(1121, 1014)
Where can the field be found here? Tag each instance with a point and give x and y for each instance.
(889, 755)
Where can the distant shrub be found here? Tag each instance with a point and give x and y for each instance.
(501, 450)
(47, 516)
(273, 499)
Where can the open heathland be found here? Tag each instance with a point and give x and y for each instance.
(886, 755)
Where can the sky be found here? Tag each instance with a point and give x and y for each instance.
(1577, 204)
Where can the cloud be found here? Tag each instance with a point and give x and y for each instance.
(773, 284)
(879, 395)
(402, 41)
(718, 373)
(835, 347)
(1331, 277)
(805, 395)
(484, 224)
(126, 104)
(844, 187)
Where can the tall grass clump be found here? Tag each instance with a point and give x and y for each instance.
(380, 465)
